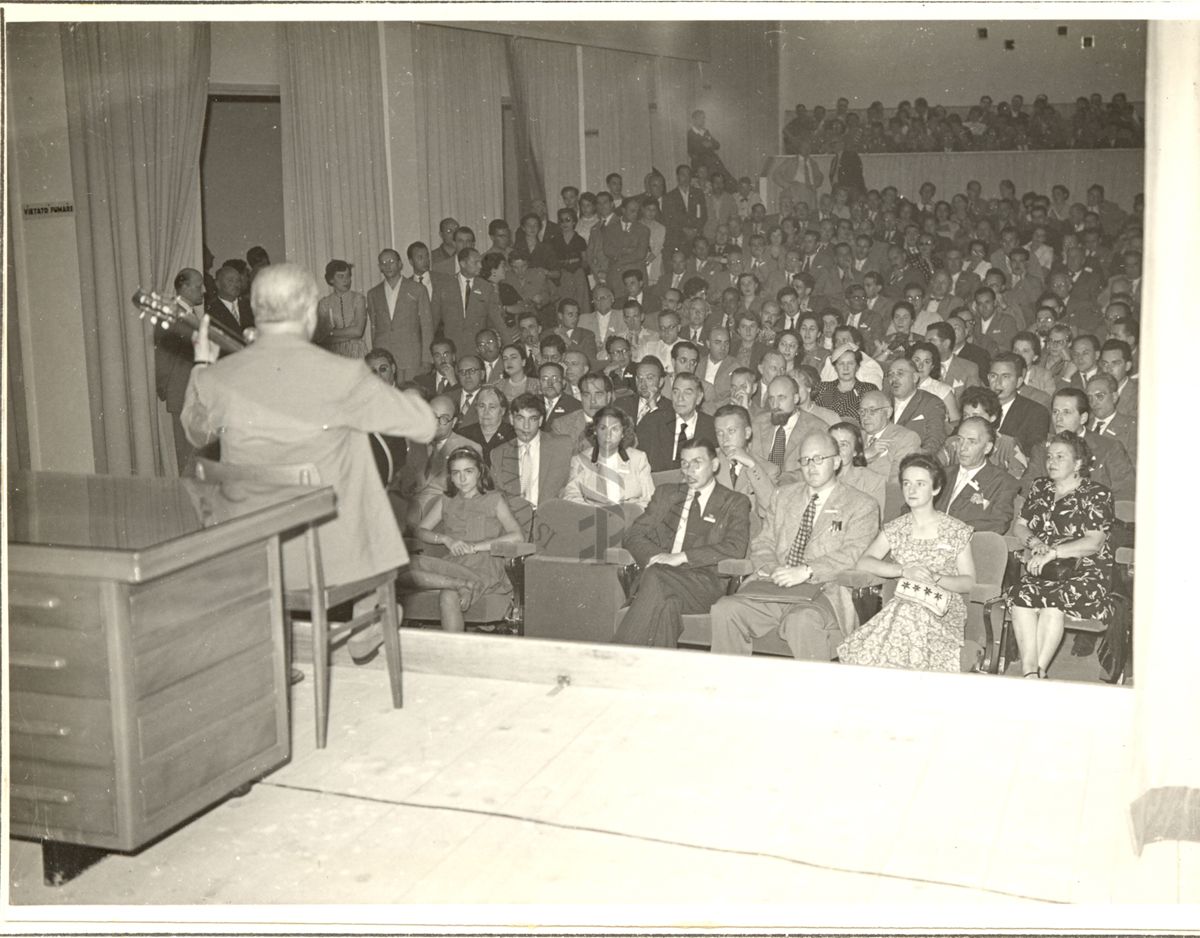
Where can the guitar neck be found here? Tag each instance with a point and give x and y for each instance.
(168, 315)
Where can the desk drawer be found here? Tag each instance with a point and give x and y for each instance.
(55, 601)
(52, 660)
(60, 729)
(61, 802)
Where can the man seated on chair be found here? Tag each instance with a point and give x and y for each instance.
(977, 492)
(678, 541)
(740, 469)
(815, 530)
(533, 467)
(423, 478)
(662, 433)
(284, 401)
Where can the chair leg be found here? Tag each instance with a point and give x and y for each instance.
(320, 628)
(1005, 637)
(390, 616)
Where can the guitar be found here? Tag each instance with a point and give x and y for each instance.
(166, 314)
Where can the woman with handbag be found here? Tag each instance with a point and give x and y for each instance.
(1064, 524)
(921, 627)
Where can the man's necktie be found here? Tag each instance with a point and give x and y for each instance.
(733, 475)
(467, 298)
(778, 447)
(689, 521)
(796, 551)
(680, 441)
(525, 468)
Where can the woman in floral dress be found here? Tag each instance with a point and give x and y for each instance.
(1066, 517)
(927, 547)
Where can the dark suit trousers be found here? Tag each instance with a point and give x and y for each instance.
(663, 596)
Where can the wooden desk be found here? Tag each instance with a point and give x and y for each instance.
(147, 662)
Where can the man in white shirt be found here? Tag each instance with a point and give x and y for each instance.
(470, 372)
(534, 466)
(1102, 396)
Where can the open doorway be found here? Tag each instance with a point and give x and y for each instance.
(241, 176)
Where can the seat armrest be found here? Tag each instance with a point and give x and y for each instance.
(856, 579)
(1014, 546)
(739, 566)
(509, 549)
(619, 556)
(984, 592)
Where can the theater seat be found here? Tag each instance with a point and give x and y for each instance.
(572, 591)
(491, 608)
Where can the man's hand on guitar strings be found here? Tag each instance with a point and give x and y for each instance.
(204, 351)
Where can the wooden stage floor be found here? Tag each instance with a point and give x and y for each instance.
(525, 771)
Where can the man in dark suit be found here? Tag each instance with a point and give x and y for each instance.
(552, 378)
(815, 529)
(741, 470)
(442, 378)
(920, 411)
(661, 433)
(1106, 421)
(846, 169)
(470, 370)
(229, 308)
(958, 372)
(777, 434)
(446, 250)
(625, 245)
(400, 317)
(464, 303)
(686, 531)
(963, 282)
(572, 334)
(994, 328)
(649, 377)
(173, 357)
(1111, 466)
(1024, 420)
(534, 467)
(963, 324)
(684, 212)
(977, 492)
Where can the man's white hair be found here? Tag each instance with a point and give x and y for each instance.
(283, 293)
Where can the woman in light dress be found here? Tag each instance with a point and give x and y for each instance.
(342, 315)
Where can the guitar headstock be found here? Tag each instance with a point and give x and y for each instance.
(161, 312)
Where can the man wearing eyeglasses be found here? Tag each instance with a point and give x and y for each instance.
(886, 444)
(470, 372)
(424, 476)
(815, 529)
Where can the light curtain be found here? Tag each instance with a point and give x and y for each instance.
(616, 107)
(676, 92)
(545, 90)
(1120, 171)
(136, 96)
(335, 186)
(458, 76)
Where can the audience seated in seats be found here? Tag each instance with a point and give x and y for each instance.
(487, 344)
(815, 529)
(551, 348)
(516, 381)
(620, 368)
(661, 433)
(928, 548)
(576, 337)
(1021, 418)
(529, 335)
(1064, 526)
(1110, 465)
(715, 369)
(919, 411)
(424, 475)
(322, 415)
(602, 321)
(886, 445)
(740, 469)
(614, 472)
(1116, 360)
(745, 392)
(441, 378)
(551, 378)
(649, 380)
(778, 434)
(1038, 384)
(686, 531)
(469, 519)
(575, 365)
(492, 428)
(854, 472)
(596, 391)
(1102, 399)
(532, 467)
(469, 370)
(927, 360)
(1006, 452)
(844, 395)
(977, 492)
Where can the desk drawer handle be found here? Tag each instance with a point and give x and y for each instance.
(20, 600)
(41, 728)
(37, 793)
(40, 662)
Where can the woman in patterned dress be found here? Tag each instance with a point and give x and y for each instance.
(1067, 516)
(843, 395)
(342, 315)
(927, 546)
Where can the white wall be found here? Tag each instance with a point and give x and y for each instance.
(45, 254)
(244, 54)
(946, 63)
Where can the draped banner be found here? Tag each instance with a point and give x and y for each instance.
(1121, 172)
(136, 95)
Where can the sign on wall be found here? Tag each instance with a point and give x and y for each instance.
(47, 209)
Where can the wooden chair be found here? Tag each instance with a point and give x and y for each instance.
(320, 597)
(1124, 557)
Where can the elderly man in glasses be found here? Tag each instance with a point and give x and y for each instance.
(815, 529)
